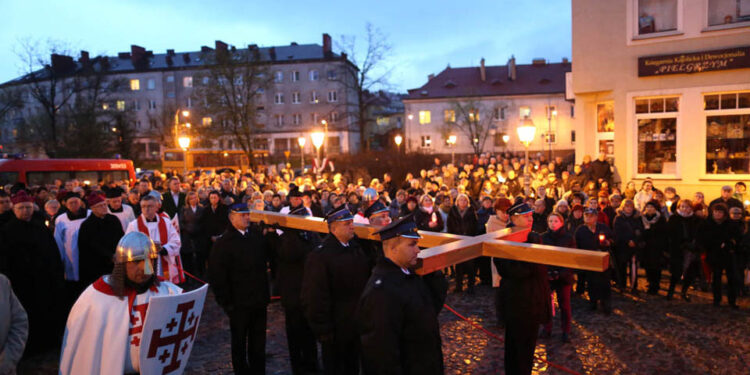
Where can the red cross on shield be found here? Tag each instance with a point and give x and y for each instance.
(169, 330)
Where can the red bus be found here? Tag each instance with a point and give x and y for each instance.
(40, 172)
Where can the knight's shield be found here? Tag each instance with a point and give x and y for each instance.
(169, 330)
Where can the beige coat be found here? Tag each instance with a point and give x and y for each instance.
(14, 328)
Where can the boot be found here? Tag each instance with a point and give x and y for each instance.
(685, 296)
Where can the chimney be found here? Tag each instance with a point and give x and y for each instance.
(565, 60)
(84, 59)
(62, 64)
(170, 52)
(482, 71)
(430, 77)
(512, 68)
(539, 62)
(206, 49)
(137, 53)
(186, 57)
(252, 47)
(327, 50)
(221, 46)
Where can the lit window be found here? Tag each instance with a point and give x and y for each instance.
(424, 117)
(524, 111)
(314, 97)
(120, 105)
(551, 111)
(314, 75)
(382, 121)
(135, 84)
(727, 134)
(279, 98)
(474, 115)
(605, 117)
(206, 121)
(333, 96)
(295, 76)
(187, 81)
(450, 115)
(655, 16)
(278, 77)
(170, 78)
(105, 106)
(151, 84)
(295, 98)
(657, 135)
(426, 141)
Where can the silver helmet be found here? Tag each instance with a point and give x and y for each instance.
(136, 246)
(369, 195)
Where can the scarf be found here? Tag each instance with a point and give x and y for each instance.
(647, 223)
(684, 214)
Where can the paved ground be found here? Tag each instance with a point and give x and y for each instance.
(644, 335)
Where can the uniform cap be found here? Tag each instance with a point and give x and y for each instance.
(375, 208)
(340, 214)
(519, 209)
(403, 227)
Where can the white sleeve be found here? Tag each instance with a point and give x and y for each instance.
(173, 239)
(132, 227)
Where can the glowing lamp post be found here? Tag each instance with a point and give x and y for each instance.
(398, 139)
(526, 134)
(184, 143)
(317, 140)
(301, 141)
(452, 142)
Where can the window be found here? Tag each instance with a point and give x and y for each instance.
(382, 121)
(280, 144)
(727, 12)
(135, 84)
(152, 124)
(260, 143)
(295, 76)
(314, 75)
(120, 105)
(170, 78)
(550, 137)
(187, 81)
(572, 111)
(474, 115)
(426, 141)
(206, 121)
(189, 103)
(424, 117)
(297, 119)
(279, 98)
(524, 111)
(150, 84)
(331, 75)
(314, 97)
(295, 97)
(136, 105)
(727, 133)
(333, 96)
(656, 16)
(605, 116)
(449, 115)
(278, 77)
(105, 106)
(657, 135)
(278, 120)
(152, 104)
(334, 117)
(498, 113)
(205, 81)
(314, 117)
(572, 136)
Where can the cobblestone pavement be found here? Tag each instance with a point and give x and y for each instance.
(644, 335)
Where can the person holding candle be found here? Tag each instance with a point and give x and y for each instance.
(426, 216)
(597, 237)
(462, 220)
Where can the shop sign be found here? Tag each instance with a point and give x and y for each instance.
(694, 62)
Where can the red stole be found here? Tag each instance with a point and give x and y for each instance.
(164, 239)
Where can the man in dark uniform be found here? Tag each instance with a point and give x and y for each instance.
(524, 299)
(398, 311)
(335, 276)
(295, 245)
(237, 273)
(378, 215)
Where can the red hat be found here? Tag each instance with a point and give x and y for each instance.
(94, 198)
(61, 195)
(21, 197)
(502, 204)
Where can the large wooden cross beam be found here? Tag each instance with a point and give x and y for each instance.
(443, 250)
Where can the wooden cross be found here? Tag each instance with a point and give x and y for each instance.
(443, 249)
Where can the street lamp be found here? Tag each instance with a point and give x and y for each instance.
(452, 141)
(184, 143)
(398, 139)
(177, 121)
(526, 133)
(301, 141)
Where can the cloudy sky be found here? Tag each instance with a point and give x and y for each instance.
(426, 35)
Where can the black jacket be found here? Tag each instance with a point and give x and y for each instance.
(334, 279)
(657, 243)
(294, 247)
(192, 233)
(562, 238)
(215, 222)
(168, 206)
(719, 240)
(682, 233)
(628, 228)
(601, 169)
(524, 290)
(97, 241)
(466, 225)
(423, 220)
(398, 323)
(237, 270)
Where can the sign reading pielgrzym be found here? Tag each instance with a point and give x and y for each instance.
(694, 62)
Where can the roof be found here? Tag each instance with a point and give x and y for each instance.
(123, 63)
(467, 82)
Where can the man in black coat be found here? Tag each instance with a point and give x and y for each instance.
(335, 276)
(601, 171)
(397, 314)
(294, 247)
(720, 238)
(97, 240)
(31, 260)
(173, 200)
(726, 198)
(524, 299)
(237, 273)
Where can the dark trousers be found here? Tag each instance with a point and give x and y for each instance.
(468, 269)
(340, 357)
(248, 327)
(303, 349)
(201, 256)
(653, 275)
(725, 264)
(563, 300)
(581, 282)
(485, 271)
(691, 270)
(520, 341)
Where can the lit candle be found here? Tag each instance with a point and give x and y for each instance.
(669, 204)
(601, 238)
(434, 218)
(747, 203)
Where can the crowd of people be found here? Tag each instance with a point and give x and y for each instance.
(58, 239)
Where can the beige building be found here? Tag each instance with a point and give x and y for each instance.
(663, 88)
(502, 97)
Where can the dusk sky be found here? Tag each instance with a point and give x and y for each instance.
(426, 35)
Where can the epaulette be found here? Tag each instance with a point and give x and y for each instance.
(378, 283)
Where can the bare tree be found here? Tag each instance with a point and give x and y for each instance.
(472, 119)
(10, 99)
(373, 74)
(236, 80)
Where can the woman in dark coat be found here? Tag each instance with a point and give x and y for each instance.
(719, 237)
(575, 220)
(194, 251)
(215, 218)
(462, 220)
(628, 240)
(560, 279)
(684, 251)
(426, 216)
(597, 237)
(654, 228)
